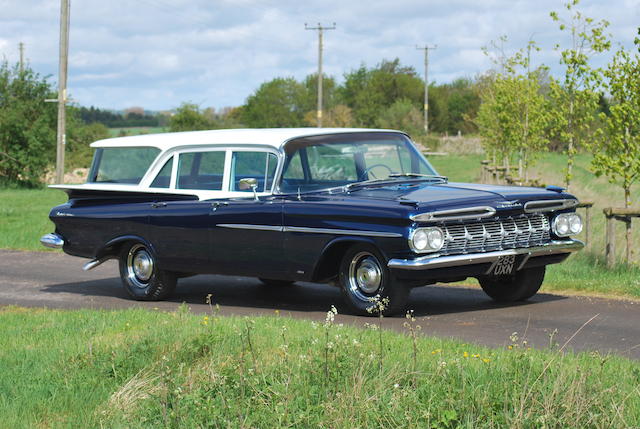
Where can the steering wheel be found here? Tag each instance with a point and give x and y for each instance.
(367, 171)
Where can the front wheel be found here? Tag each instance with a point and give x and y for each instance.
(516, 287)
(364, 277)
(141, 277)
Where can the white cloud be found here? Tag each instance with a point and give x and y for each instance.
(159, 53)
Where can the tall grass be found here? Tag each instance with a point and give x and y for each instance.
(140, 368)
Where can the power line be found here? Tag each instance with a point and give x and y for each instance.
(426, 49)
(320, 29)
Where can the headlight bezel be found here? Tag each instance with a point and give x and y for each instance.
(428, 233)
(568, 221)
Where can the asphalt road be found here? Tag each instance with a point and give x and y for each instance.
(55, 280)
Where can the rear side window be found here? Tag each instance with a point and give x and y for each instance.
(201, 170)
(124, 165)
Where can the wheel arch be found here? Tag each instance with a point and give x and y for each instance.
(328, 264)
(113, 247)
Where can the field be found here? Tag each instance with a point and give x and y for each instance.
(134, 131)
(137, 368)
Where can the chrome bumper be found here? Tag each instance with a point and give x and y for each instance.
(435, 261)
(53, 241)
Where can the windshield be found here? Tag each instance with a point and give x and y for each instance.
(321, 162)
(124, 165)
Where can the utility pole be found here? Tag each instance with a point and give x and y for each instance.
(426, 49)
(21, 47)
(62, 89)
(320, 29)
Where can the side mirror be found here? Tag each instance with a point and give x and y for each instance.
(249, 183)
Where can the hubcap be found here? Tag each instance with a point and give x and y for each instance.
(139, 266)
(365, 276)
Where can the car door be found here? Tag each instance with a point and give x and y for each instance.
(246, 228)
(180, 230)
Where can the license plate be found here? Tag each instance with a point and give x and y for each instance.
(503, 266)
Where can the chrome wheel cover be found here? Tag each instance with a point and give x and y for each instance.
(365, 276)
(140, 266)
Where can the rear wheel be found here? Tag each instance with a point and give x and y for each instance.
(516, 287)
(141, 277)
(364, 276)
(276, 283)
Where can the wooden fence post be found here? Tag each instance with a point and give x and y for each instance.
(586, 205)
(483, 175)
(610, 249)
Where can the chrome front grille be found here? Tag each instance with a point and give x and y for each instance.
(496, 234)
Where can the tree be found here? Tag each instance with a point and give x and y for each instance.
(368, 92)
(27, 126)
(277, 103)
(617, 148)
(189, 117)
(402, 115)
(514, 116)
(575, 97)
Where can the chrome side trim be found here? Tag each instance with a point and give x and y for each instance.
(253, 227)
(456, 214)
(341, 231)
(53, 241)
(309, 230)
(549, 205)
(435, 261)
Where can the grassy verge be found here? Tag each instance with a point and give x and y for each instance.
(24, 216)
(134, 131)
(137, 368)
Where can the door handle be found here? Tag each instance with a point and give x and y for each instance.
(214, 206)
(158, 205)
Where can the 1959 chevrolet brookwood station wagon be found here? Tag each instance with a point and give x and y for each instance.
(359, 208)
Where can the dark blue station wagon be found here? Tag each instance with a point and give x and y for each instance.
(357, 208)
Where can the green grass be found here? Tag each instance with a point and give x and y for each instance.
(24, 216)
(138, 368)
(134, 131)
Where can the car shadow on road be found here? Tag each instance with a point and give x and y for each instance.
(300, 297)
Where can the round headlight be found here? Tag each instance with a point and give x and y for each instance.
(575, 223)
(435, 238)
(561, 225)
(420, 240)
(427, 239)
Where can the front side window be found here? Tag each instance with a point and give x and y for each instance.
(201, 170)
(126, 165)
(327, 161)
(260, 166)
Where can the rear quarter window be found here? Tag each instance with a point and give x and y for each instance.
(125, 165)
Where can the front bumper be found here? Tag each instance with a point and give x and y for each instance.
(54, 241)
(435, 261)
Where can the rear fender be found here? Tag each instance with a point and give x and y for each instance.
(113, 247)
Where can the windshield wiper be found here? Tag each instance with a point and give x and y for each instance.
(426, 176)
(392, 180)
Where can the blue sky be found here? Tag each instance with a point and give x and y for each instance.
(159, 53)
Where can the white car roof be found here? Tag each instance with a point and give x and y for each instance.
(274, 137)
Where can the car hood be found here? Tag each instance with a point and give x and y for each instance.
(446, 196)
